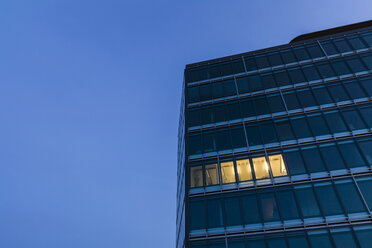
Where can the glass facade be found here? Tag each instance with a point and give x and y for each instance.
(275, 146)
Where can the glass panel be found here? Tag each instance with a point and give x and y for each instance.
(367, 115)
(300, 127)
(232, 212)
(287, 205)
(335, 122)
(325, 70)
(284, 130)
(367, 85)
(301, 53)
(238, 137)
(229, 88)
(342, 45)
(351, 154)
(313, 159)
(317, 124)
(353, 120)
(329, 48)
(198, 244)
(268, 132)
(332, 157)
(256, 244)
(307, 201)
(196, 176)
(277, 165)
(243, 85)
(306, 98)
(227, 172)
(244, 170)
(193, 94)
(223, 140)
(288, 56)
(269, 207)
(236, 243)
(197, 215)
(250, 64)
(296, 76)
(209, 143)
(261, 106)
(233, 111)
(215, 218)
(297, 240)
(320, 239)
(368, 38)
(291, 100)
(275, 103)
(364, 234)
(268, 80)
(277, 243)
(367, 59)
(365, 186)
(311, 73)
(356, 65)
(354, 90)
(247, 108)
(321, 95)
(315, 51)
(347, 191)
(251, 214)
(195, 144)
(254, 83)
(211, 174)
(261, 168)
(275, 59)
(253, 135)
(340, 67)
(328, 199)
(338, 93)
(294, 162)
(356, 42)
(343, 238)
(262, 61)
(216, 244)
(366, 146)
(205, 92)
(282, 78)
(193, 75)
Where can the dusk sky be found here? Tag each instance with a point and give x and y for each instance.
(89, 104)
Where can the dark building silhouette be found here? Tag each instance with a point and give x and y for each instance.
(275, 145)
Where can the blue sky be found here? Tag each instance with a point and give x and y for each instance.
(89, 105)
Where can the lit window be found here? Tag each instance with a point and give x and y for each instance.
(261, 168)
(244, 170)
(277, 165)
(196, 176)
(211, 174)
(227, 172)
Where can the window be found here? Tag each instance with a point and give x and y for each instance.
(233, 110)
(291, 100)
(211, 174)
(250, 64)
(244, 170)
(268, 80)
(215, 218)
(193, 94)
(338, 92)
(368, 38)
(356, 65)
(354, 90)
(262, 61)
(356, 42)
(365, 185)
(367, 115)
(197, 215)
(353, 120)
(232, 211)
(261, 106)
(236, 243)
(261, 168)
(284, 131)
(287, 205)
(351, 154)
(340, 67)
(238, 137)
(317, 124)
(328, 199)
(209, 142)
(297, 240)
(322, 95)
(223, 140)
(329, 48)
(219, 243)
(366, 146)
(367, 85)
(254, 83)
(311, 73)
(196, 176)
(269, 207)
(277, 242)
(306, 98)
(288, 56)
(251, 213)
(347, 191)
(335, 122)
(313, 159)
(243, 85)
(332, 157)
(282, 78)
(227, 172)
(364, 234)
(294, 162)
(315, 51)
(320, 239)
(275, 103)
(296, 76)
(253, 135)
(342, 45)
(367, 59)
(275, 59)
(195, 144)
(325, 70)
(277, 165)
(268, 132)
(300, 127)
(247, 108)
(301, 53)
(205, 92)
(343, 237)
(307, 201)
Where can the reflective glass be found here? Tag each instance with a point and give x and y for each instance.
(250, 208)
(325, 70)
(315, 51)
(261, 168)
(277, 165)
(277, 243)
(328, 199)
(294, 162)
(367, 37)
(291, 100)
(256, 244)
(298, 240)
(197, 215)
(269, 207)
(223, 140)
(247, 108)
(367, 59)
(243, 85)
(347, 191)
(205, 92)
(313, 160)
(356, 42)
(253, 135)
(250, 64)
(275, 103)
(365, 186)
(301, 53)
(366, 146)
(343, 238)
(196, 176)
(227, 172)
(275, 59)
(367, 85)
(261, 106)
(322, 95)
(342, 45)
(311, 73)
(367, 115)
(282, 78)
(238, 137)
(288, 56)
(300, 127)
(268, 132)
(364, 234)
(254, 82)
(338, 92)
(284, 130)
(193, 94)
(317, 124)
(306, 98)
(195, 144)
(335, 122)
(356, 65)
(268, 80)
(329, 48)
(238, 243)
(340, 67)
(296, 76)
(209, 143)
(287, 204)
(332, 157)
(320, 239)
(262, 61)
(354, 90)
(214, 210)
(353, 120)
(307, 201)
(233, 110)
(244, 170)
(232, 211)
(351, 154)
(211, 174)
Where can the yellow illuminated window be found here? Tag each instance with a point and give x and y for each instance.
(227, 172)
(277, 165)
(261, 168)
(244, 170)
(211, 174)
(196, 177)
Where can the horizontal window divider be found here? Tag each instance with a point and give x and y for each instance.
(329, 177)
(283, 89)
(299, 143)
(283, 114)
(283, 229)
(284, 66)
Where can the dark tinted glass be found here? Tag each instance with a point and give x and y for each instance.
(364, 234)
(313, 159)
(320, 239)
(223, 140)
(262, 62)
(367, 59)
(365, 185)
(367, 115)
(356, 65)
(194, 118)
(317, 124)
(322, 95)
(277, 243)
(193, 94)
(254, 83)
(291, 100)
(195, 144)
(284, 130)
(219, 114)
(351, 154)
(301, 53)
(347, 191)
(332, 157)
(269, 207)
(238, 137)
(329, 48)
(325, 70)
(294, 162)
(243, 86)
(306, 98)
(250, 209)
(261, 106)
(220, 243)
(209, 142)
(214, 209)
(287, 205)
(268, 132)
(282, 78)
(229, 88)
(367, 85)
(366, 146)
(315, 51)
(232, 212)
(338, 92)
(335, 122)
(193, 75)
(342, 45)
(296, 76)
(236, 244)
(275, 59)
(354, 90)
(268, 80)
(311, 73)
(288, 56)
(275, 103)
(298, 240)
(340, 67)
(205, 92)
(197, 215)
(250, 64)
(353, 119)
(343, 238)
(356, 42)
(233, 110)
(307, 201)
(247, 108)
(367, 37)
(328, 199)
(253, 135)
(300, 127)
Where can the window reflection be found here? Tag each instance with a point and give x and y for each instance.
(261, 168)
(227, 172)
(244, 170)
(211, 174)
(277, 165)
(196, 176)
